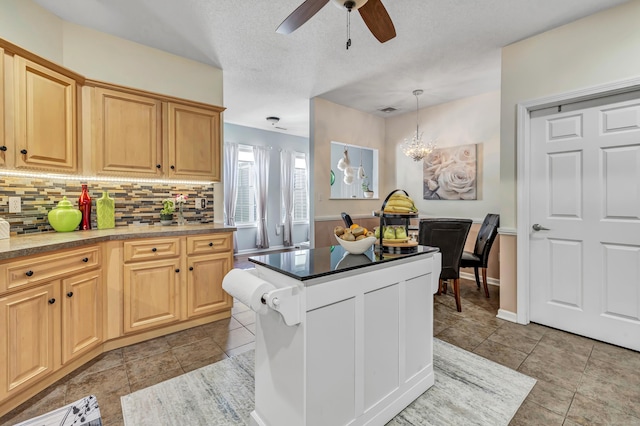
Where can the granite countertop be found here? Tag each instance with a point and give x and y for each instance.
(307, 264)
(24, 245)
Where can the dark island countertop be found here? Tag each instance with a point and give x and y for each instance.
(25, 245)
(307, 264)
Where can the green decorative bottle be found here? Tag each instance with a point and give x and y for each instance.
(106, 211)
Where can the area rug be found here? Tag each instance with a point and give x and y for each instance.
(468, 390)
(83, 412)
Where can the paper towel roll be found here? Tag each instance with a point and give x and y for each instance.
(247, 288)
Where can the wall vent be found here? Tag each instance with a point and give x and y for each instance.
(388, 109)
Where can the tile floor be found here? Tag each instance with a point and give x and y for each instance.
(580, 381)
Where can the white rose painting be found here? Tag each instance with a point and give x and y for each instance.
(450, 173)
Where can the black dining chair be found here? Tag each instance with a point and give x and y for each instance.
(347, 220)
(480, 256)
(449, 235)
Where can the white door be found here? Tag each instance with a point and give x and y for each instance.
(585, 188)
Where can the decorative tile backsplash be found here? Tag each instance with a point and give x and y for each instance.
(134, 202)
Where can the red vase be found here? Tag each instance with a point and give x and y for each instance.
(84, 204)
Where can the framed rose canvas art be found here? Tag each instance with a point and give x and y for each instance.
(450, 173)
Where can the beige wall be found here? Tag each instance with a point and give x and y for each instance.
(24, 23)
(601, 48)
(333, 122)
(472, 120)
(101, 56)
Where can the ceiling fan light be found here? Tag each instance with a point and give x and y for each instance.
(340, 3)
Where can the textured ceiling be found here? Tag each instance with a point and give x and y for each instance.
(450, 49)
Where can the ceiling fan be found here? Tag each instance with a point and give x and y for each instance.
(373, 14)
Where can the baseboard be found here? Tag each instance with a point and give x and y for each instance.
(472, 277)
(507, 315)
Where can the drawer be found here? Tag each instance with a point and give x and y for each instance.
(150, 249)
(36, 269)
(211, 243)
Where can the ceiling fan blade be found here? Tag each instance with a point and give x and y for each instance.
(378, 20)
(302, 14)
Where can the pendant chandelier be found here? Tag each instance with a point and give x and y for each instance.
(415, 148)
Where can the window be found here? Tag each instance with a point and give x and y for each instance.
(300, 190)
(246, 194)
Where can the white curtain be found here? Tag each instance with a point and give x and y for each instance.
(231, 187)
(261, 162)
(287, 177)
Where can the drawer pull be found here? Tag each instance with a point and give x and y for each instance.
(70, 294)
(29, 273)
(177, 270)
(154, 249)
(3, 148)
(173, 167)
(210, 244)
(158, 166)
(52, 301)
(23, 151)
(85, 259)
(191, 268)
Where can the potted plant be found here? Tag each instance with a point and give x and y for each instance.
(166, 214)
(366, 191)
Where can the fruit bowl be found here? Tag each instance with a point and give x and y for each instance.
(356, 247)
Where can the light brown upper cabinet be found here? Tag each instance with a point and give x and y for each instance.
(127, 133)
(138, 133)
(194, 141)
(45, 104)
(3, 143)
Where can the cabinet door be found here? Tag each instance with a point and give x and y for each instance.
(45, 118)
(151, 295)
(81, 314)
(127, 134)
(204, 284)
(3, 142)
(29, 333)
(194, 142)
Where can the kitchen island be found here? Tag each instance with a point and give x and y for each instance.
(349, 339)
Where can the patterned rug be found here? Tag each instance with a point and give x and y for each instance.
(83, 412)
(468, 390)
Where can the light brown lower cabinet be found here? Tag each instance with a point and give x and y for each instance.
(151, 294)
(204, 292)
(55, 308)
(47, 327)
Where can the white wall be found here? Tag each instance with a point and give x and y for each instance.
(473, 120)
(256, 137)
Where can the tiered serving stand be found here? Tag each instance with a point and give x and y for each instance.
(396, 246)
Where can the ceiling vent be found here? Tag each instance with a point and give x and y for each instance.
(388, 109)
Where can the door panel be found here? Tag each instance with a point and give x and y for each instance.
(585, 190)
(81, 314)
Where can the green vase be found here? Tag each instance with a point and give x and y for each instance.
(64, 217)
(106, 211)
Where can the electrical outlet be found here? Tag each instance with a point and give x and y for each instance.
(201, 203)
(15, 205)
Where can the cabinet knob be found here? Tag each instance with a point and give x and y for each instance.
(178, 270)
(70, 294)
(210, 244)
(158, 166)
(191, 268)
(52, 301)
(154, 249)
(28, 273)
(173, 167)
(3, 148)
(23, 151)
(85, 259)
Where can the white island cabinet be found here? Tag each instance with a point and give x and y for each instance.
(363, 347)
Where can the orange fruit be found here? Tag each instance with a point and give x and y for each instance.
(355, 225)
